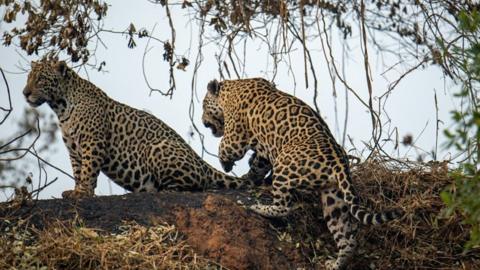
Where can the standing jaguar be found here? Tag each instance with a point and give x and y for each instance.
(135, 149)
(290, 138)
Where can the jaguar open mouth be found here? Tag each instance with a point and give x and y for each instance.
(212, 127)
(35, 103)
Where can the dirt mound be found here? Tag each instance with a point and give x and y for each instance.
(213, 229)
(226, 233)
(212, 224)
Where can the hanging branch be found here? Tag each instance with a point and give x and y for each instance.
(337, 73)
(376, 135)
(193, 85)
(330, 73)
(345, 123)
(229, 54)
(295, 33)
(302, 24)
(170, 50)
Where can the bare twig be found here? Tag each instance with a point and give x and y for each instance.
(150, 36)
(29, 151)
(394, 84)
(21, 149)
(37, 191)
(10, 108)
(145, 52)
(16, 138)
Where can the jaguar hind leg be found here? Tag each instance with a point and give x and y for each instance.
(339, 223)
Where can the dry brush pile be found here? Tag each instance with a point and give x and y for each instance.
(424, 238)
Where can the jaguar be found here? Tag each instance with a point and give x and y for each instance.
(133, 148)
(289, 138)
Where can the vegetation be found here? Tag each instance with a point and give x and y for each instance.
(418, 34)
(465, 135)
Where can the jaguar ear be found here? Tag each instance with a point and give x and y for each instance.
(62, 68)
(33, 64)
(213, 87)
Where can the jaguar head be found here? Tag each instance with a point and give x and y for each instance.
(44, 81)
(212, 116)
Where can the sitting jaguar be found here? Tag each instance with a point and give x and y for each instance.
(292, 140)
(135, 149)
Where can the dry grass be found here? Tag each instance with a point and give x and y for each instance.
(424, 238)
(67, 246)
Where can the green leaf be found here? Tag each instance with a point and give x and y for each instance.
(446, 197)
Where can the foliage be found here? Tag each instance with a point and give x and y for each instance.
(443, 33)
(462, 196)
(66, 25)
(465, 135)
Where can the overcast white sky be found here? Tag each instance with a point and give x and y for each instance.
(410, 107)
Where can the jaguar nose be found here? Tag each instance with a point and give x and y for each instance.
(27, 92)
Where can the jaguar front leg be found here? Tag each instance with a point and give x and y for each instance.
(77, 173)
(86, 171)
(231, 151)
(260, 166)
